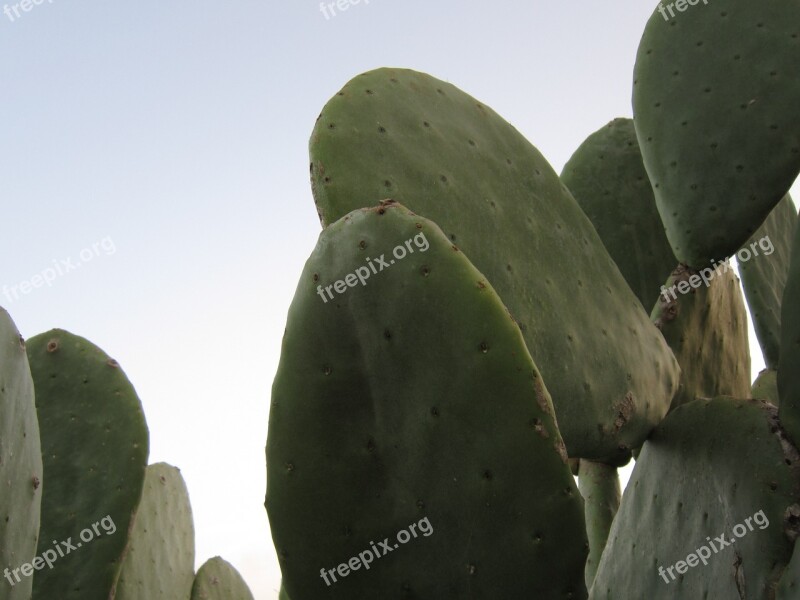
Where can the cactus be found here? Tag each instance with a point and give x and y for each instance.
(94, 443)
(715, 101)
(706, 327)
(708, 467)
(424, 407)
(20, 464)
(789, 584)
(765, 386)
(789, 367)
(159, 560)
(219, 580)
(599, 486)
(448, 157)
(764, 276)
(607, 177)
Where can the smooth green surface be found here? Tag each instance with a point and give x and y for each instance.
(413, 397)
(20, 462)
(400, 134)
(715, 99)
(599, 486)
(159, 561)
(789, 368)
(95, 445)
(217, 579)
(607, 177)
(789, 586)
(707, 330)
(709, 467)
(764, 276)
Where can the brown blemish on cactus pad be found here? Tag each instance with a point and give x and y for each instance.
(112, 363)
(625, 410)
(52, 346)
(538, 427)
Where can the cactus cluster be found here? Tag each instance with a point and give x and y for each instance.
(84, 516)
(536, 338)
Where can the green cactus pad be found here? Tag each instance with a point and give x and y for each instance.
(606, 176)
(789, 368)
(404, 135)
(159, 560)
(720, 467)
(412, 401)
(20, 463)
(282, 595)
(764, 275)
(715, 99)
(95, 445)
(599, 486)
(765, 387)
(217, 579)
(789, 585)
(707, 330)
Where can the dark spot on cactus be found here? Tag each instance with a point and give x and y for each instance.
(443, 178)
(370, 445)
(435, 411)
(487, 475)
(471, 142)
(112, 363)
(36, 482)
(362, 244)
(327, 180)
(454, 247)
(289, 467)
(424, 270)
(440, 91)
(52, 345)
(315, 277)
(327, 370)
(538, 427)
(331, 125)
(537, 536)
(773, 486)
(426, 124)
(387, 184)
(739, 168)
(420, 504)
(452, 237)
(484, 347)
(393, 80)
(481, 285)
(387, 334)
(369, 92)
(419, 225)
(382, 129)
(472, 569)
(162, 479)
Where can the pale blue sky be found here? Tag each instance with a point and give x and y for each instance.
(180, 133)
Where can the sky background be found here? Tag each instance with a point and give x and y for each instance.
(178, 136)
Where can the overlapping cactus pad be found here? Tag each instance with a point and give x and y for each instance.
(411, 399)
(706, 327)
(764, 275)
(95, 445)
(217, 579)
(715, 99)
(159, 560)
(400, 134)
(789, 368)
(713, 469)
(20, 462)
(607, 177)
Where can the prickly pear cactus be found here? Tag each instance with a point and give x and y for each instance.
(159, 560)
(764, 275)
(217, 579)
(599, 486)
(20, 464)
(412, 444)
(715, 101)
(706, 327)
(789, 368)
(765, 387)
(95, 448)
(789, 585)
(400, 134)
(607, 177)
(710, 510)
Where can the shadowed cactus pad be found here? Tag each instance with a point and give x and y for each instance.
(715, 100)
(400, 134)
(95, 448)
(411, 399)
(719, 467)
(159, 560)
(599, 486)
(764, 276)
(607, 177)
(765, 387)
(20, 463)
